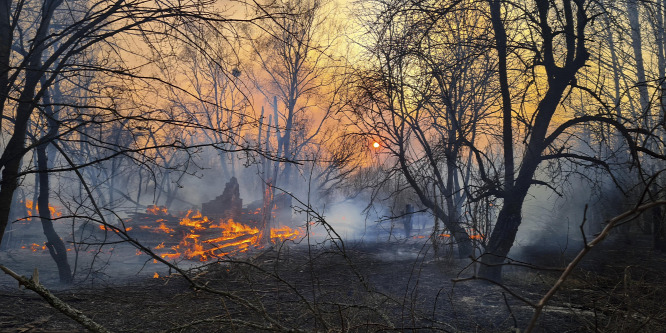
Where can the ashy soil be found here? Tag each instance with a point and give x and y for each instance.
(379, 287)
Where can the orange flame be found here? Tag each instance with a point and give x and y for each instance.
(31, 206)
(157, 210)
(228, 238)
(285, 233)
(194, 219)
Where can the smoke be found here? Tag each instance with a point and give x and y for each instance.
(560, 222)
(346, 218)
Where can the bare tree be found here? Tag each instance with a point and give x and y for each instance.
(425, 98)
(297, 76)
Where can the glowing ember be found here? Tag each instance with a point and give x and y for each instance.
(34, 247)
(156, 276)
(476, 236)
(472, 235)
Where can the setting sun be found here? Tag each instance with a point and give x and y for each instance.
(375, 144)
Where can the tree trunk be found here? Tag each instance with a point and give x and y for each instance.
(637, 46)
(15, 148)
(502, 238)
(559, 78)
(11, 157)
(6, 41)
(55, 245)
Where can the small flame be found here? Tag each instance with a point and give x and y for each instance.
(194, 219)
(285, 233)
(31, 206)
(156, 276)
(157, 210)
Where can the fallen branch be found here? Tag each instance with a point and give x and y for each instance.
(588, 246)
(34, 285)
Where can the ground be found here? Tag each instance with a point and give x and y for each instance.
(397, 286)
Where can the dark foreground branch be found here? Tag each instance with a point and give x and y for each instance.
(588, 246)
(34, 285)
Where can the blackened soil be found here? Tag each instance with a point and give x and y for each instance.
(365, 288)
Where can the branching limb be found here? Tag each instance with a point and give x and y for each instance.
(34, 285)
(588, 246)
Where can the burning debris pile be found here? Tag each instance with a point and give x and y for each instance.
(224, 228)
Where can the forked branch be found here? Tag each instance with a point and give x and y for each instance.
(579, 257)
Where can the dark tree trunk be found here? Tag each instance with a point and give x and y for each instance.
(5, 50)
(14, 152)
(54, 243)
(10, 160)
(559, 78)
(502, 238)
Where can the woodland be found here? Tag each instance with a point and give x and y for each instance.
(332, 165)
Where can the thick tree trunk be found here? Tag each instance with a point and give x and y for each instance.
(55, 245)
(501, 239)
(6, 41)
(15, 148)
(559, 78)
(14, 152)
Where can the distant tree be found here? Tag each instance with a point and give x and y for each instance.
(297, 76)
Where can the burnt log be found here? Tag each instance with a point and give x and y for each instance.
(229, 205)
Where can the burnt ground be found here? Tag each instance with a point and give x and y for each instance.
(396, 286)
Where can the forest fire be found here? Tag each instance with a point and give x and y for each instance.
(201, 238)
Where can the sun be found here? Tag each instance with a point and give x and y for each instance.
(375, 144)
